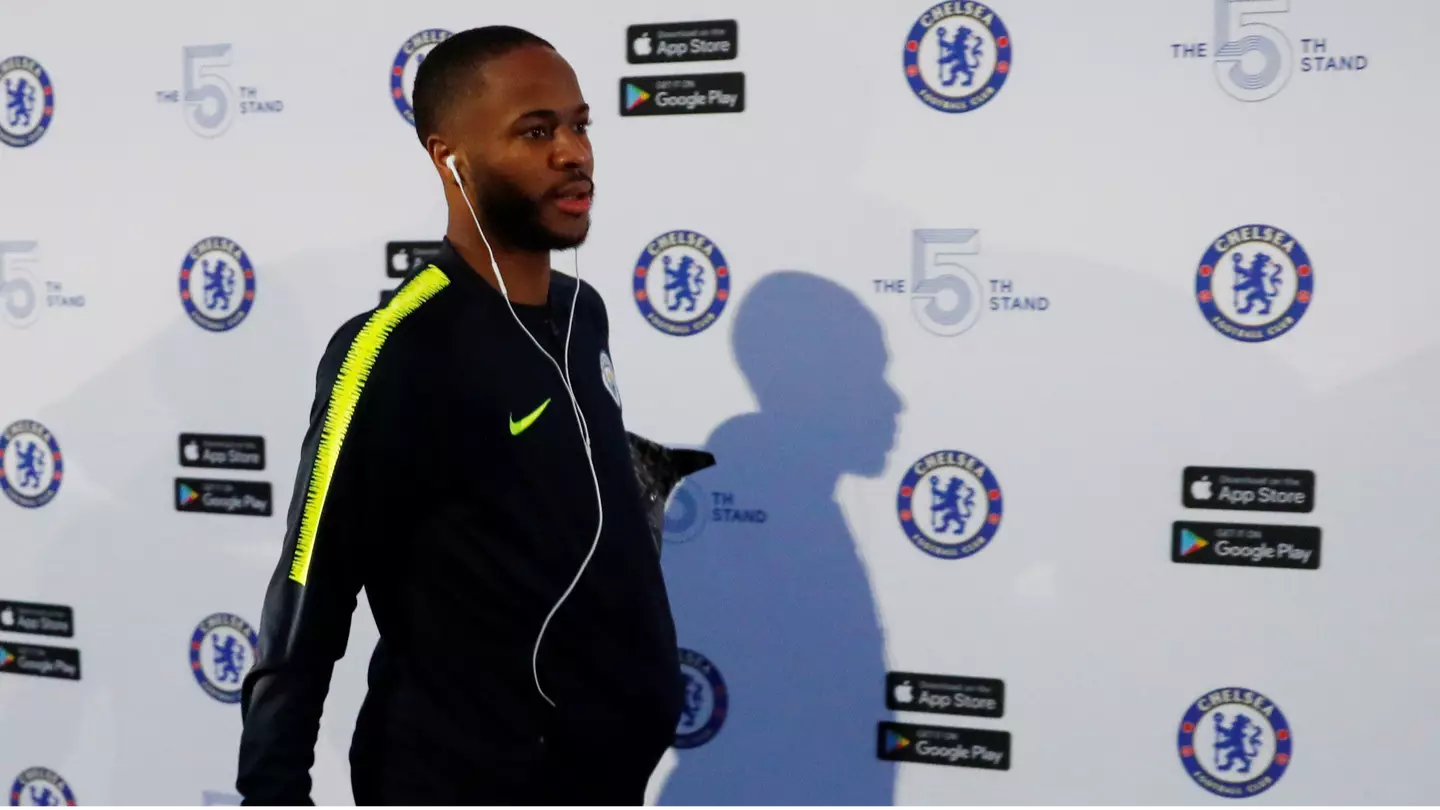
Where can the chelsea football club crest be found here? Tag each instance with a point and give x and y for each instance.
(1254, 283)
(1235, 742)
(222, 651)
(407, 61)
(950, 504)
(957, 56)
(29, 101)
(706, 701)
(685, 512)
(40, 787)
(217, 284)
(31, 467)
(607, 374)
(682, 282)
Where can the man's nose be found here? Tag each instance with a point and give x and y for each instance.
(571, 153)
(895, 402)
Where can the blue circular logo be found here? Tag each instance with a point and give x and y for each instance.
(1235, 742)
(1254, 283)
(29, 101)
(950, 504)
(957, 56)
(217, 284)
(706, 701)
(607, 374)
(682, 282)
(41, 786)
(222, 651)
(685, 512)
(31, 467)
(407, 61)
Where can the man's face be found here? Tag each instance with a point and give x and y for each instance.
(525, 142)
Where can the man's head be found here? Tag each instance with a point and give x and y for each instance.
(815, 358)
(508, 107)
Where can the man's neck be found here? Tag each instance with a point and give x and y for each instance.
(527, 273)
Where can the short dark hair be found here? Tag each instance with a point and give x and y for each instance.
(452, 67)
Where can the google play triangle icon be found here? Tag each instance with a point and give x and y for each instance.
(634, 96)
(186, 494)
(1190, 542)
(894, 741)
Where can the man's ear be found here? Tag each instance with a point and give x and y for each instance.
(444, 159)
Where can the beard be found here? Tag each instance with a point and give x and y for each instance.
(514, 218)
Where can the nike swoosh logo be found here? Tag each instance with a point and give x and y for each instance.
(516, 428)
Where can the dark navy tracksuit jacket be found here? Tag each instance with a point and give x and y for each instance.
(444, 473)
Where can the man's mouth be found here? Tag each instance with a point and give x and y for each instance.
(574, 198)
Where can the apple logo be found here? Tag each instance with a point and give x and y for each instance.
(192, 451)
(400, 261)
(641, 45)
(1200, 490)
(904, 693)
(7, 617)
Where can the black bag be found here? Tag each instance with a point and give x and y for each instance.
(659, 469)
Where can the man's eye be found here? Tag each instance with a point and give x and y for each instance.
(537, 132)
(583, 128)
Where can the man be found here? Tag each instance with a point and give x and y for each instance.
(527, 652)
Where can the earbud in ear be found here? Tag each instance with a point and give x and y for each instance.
(450, 161)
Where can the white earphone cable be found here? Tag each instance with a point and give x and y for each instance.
(575, 406)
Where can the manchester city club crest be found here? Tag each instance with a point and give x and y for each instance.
(31, 467)
(222, 651)
(957, 56)
(407, 61)
(950, 504)
(29, 101)
(682, 282)
(607, 374)
(1254, 283)
(217, 284)
(1235, 742)
(706, 701)
(41, 787)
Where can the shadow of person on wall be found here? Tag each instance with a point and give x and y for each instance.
(766, 582)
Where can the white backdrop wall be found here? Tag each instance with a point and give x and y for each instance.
(1095, 180)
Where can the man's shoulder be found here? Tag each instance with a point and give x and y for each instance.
(393, 332)
(589, 301)
(338, 346)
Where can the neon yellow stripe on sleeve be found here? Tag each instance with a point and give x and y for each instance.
(345, 395)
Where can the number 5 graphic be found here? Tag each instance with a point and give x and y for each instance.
(19, 298)
(1234, 38)
(938, 312)
(203, 85)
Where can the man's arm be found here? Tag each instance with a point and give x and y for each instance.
(305, 623)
